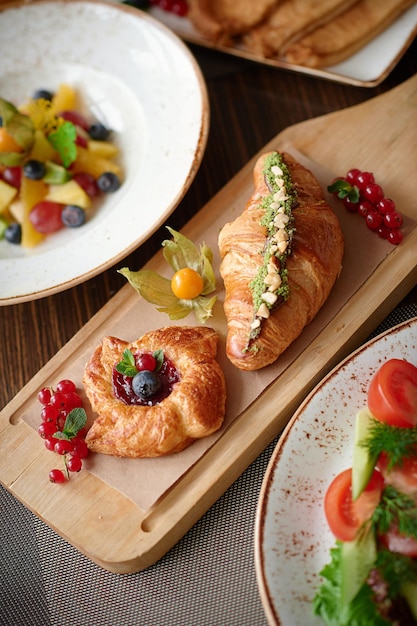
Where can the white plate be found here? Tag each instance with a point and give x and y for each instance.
(292, 539)
(137, 77)
(367, 68)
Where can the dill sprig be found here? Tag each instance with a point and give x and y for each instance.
(397, 443)
(396, 569)
(396, 509)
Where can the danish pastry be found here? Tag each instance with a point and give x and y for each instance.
(280, 259)
(155, 417)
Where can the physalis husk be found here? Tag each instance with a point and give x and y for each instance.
(179, 252)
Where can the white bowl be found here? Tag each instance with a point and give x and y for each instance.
(137, 77)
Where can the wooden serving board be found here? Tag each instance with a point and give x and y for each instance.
(102, 522)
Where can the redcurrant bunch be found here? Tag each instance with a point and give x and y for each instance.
(63, 427)
(178, 7)
(361, 194)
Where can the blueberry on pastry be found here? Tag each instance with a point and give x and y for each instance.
(156, 395)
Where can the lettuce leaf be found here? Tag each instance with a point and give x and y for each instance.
(361, 611)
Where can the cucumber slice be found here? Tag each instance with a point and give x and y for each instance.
(363, 464)
(357, 559)
(409, 591)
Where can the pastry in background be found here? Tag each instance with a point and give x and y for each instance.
(289, 21)
(221, 20)
(343, 36)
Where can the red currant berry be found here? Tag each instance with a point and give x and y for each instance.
(395, 236)
(50, 443)
(74, 464)
(44, 395)
(74, 400)
(386, 205)
(146, 361)
(364, 207)
(382, 231)
(57, 476)
(373, 220)
(393, 219)
(350, 206)
(165, 5)
(47, 429)
(65, 386)
(58, 399)
(179, 7)
(363, 179)
(373, 192)
(49, 413)
(352, 175)
(61, 421)
(80, 448)
(63, 446)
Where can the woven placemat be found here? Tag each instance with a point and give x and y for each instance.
(207, 579)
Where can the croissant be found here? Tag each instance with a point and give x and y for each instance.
(194, 402)
(280, 259)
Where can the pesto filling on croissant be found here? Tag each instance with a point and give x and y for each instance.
(270, 286)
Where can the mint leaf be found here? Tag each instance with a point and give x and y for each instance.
(63, 140)
(343, 189)
(74, 422)
(158, 355)
(127, 365)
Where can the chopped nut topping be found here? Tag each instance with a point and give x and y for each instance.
(263, 311)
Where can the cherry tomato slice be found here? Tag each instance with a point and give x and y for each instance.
(344, 515)
(392, 394)
(187, 284)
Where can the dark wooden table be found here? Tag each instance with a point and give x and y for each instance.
(208, 577)
(250, 104)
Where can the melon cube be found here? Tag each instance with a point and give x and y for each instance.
(7, 193)
(42, 149)
(104, 149)
(17, 211)
(90, 163)
(64, 99)
(69, 193)
(31, 192)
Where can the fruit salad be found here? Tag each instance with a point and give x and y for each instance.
(371, 509)
(55, 164)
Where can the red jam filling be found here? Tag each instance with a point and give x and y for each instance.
(123, 390)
